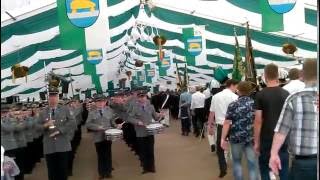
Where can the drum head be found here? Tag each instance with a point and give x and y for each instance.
(154, 126)
(113, 131)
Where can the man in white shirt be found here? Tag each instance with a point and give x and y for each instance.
(295, 84)
(218, 110)
(207, 92)
(197, 106)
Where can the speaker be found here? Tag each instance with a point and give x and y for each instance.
(9, 100)
(65, 87)
(42, 95)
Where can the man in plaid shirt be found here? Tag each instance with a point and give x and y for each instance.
(299, 121)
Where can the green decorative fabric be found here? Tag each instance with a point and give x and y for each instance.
(34, 24)
(188, 33)
(72, 37)
(113, 2)
(147, 68)
(271, 21)
(31, 90)
(311, 17)
(237, 62)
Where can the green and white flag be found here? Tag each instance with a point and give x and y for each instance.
(195, 45)
(237, 72)
(149, 72)
(165, 63)
(74, 36)
(271, 20)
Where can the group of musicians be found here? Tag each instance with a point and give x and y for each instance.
(53, 129)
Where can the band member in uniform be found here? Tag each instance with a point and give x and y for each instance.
(141, 116)
(100, 119)
(56, 121)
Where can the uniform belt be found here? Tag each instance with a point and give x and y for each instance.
(313, 156)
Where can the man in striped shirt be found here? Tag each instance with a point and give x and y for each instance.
(299, 121)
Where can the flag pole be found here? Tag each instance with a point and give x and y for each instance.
(71, 82)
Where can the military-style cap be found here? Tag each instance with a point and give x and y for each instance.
(99, 97)
(53, 90)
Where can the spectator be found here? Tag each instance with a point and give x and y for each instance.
(239, 120)
(197, 106)
(298, 121)
(295, 84)
(268, 105)
(184, 111)
(218, 110)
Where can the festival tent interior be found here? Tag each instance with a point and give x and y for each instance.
(142, 42)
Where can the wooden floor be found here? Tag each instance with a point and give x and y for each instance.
(177, 158)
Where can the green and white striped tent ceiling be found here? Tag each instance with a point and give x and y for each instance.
(34, 37)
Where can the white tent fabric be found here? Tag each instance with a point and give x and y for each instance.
(108, 68)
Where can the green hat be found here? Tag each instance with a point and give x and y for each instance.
(53, 90)
(99, 97)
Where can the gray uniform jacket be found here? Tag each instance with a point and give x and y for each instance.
(120, 110)
(37, 127)
(7, 138)
(63, 122)
(95, 121)
(73, 126)
(29, 132)
(19, 133)
(144, 114)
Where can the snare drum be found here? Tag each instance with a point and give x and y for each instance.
(155, 128)
(113, 134)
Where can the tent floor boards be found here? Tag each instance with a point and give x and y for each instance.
(177, 158)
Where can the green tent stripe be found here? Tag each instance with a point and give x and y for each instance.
(119, 36)
(39, 67)
(227, 29)
(26, 52)
(7, 88)
(230, 49)
(29, 91)
(247, 5)
(311, 17)
(224, 47)
(219, 59)
(34, 24)
(115, 21)
(113, 2)
(57, 59)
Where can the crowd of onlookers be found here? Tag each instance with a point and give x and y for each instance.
(270, 123)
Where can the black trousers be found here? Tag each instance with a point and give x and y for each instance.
(19, 157)
(199, 119)
(220, 152)
(146, 152)
(103, 150)
(72, 155)
(30, 157)
(185, 125)
(57, 164)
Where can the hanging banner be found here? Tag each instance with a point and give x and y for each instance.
(82, 13)
(94, 56)
(195, 45)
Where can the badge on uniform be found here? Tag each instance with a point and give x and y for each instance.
(82, 13)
